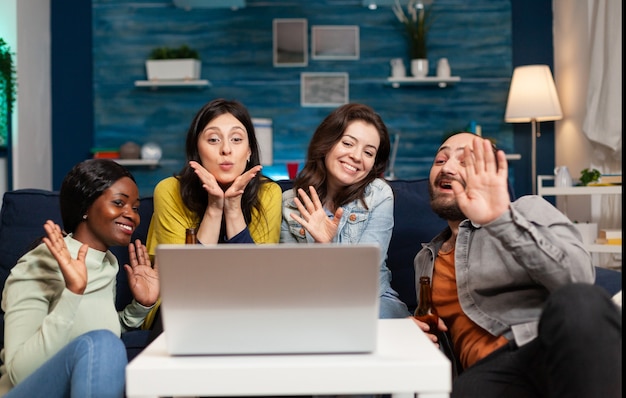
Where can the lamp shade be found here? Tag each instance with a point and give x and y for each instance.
(532, 96)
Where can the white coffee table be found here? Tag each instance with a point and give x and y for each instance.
(404, 363)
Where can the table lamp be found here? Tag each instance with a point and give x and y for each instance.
(532, 98)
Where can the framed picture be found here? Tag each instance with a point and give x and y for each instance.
(290, 42)
(335, 42)
(323, 89)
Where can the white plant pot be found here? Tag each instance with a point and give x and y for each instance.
(173, 69)
(419, 67)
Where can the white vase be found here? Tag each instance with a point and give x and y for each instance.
(443, 68)
(419, 67)
(397, 68)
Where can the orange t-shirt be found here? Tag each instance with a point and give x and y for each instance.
(470, 341)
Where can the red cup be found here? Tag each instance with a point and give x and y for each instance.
(292, 169)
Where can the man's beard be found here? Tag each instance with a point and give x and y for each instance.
(448, 210)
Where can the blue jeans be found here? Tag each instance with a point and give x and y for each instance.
(392, 307)
(92, 365)
(578, 353)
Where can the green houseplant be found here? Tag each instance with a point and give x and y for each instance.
(182, 52)
(7, 89)
(173, 63)
(589, 175)
(416, 22)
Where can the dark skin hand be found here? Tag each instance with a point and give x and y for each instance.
(142, 278)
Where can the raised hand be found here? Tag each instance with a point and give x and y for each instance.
(74, 270)
(485, 195)
(240, 183)
(313, 216)
(143, 280)
(210, 184)
(217, 196)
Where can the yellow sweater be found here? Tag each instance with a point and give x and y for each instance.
(171, 218)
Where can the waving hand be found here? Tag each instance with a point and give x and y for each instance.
(74, 270)
(313, 216)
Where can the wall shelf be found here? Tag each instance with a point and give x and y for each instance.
(152, 163)
(566, 191)
(582, 190)
(596, 248)
(154, 84)
(428, 80)
(513, 156)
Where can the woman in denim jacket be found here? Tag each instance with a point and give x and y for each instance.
(338, 197)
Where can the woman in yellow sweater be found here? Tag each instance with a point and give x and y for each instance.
(220, 191)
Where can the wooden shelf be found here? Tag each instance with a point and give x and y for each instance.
(154, 84)
(428, 80)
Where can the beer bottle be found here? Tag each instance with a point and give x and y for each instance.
(190, 236)
(425, 311)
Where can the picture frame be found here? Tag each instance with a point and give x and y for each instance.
(290, 42)
(324, 89)
(335, 42)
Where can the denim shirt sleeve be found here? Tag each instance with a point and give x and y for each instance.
(290, 230)
(376, 226)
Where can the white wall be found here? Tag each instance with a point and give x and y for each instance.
(32, 148)
(25, 26)
(572, 25)
(573, 22)
(8, 32)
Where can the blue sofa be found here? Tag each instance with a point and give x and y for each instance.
(25, 211)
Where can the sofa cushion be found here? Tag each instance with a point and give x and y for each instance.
(414, 223)
(609, 279)
(22, 217)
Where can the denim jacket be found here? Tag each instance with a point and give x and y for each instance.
(506, 269)
(358, 225)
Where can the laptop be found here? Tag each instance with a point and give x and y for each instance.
(244, 299)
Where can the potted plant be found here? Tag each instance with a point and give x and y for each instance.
(169, 63)
(416, 21)
(588, 176)
(7, 89)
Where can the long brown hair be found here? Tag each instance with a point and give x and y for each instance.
(192, 193)
(327, 134)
